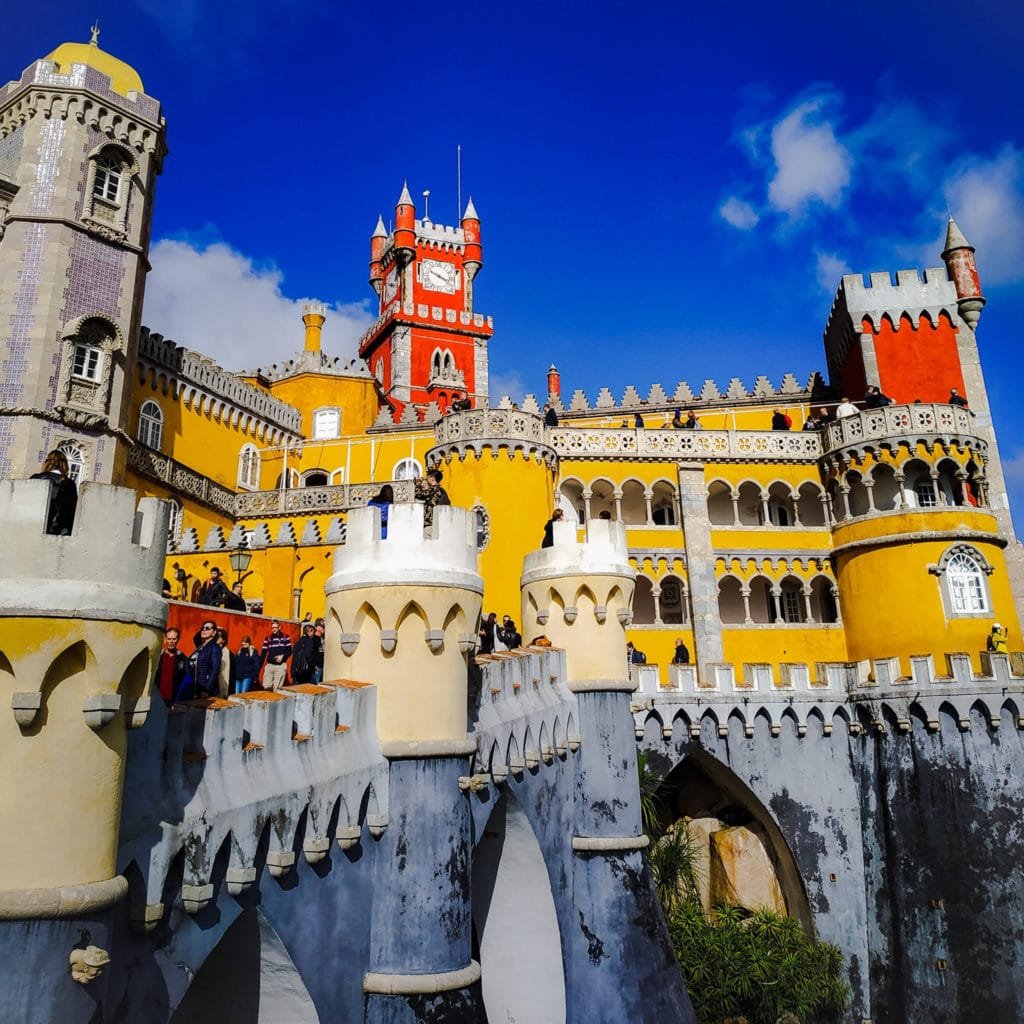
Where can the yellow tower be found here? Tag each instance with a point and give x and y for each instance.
(81, 618)
(497, 464)
(402, 613)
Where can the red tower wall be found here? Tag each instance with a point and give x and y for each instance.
(922, 363)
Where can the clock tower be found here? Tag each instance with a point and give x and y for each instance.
(427, 344)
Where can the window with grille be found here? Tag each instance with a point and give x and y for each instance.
(326, 424)
(791, 611)
(87, 362)
(925, 494)
(106, 182)
(249, 467)
(966, 582)
(76, 460)
(151, 425)
(407, 469)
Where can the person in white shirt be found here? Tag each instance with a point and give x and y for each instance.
(845, 408)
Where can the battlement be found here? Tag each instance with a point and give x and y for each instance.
(202, 381)
(110, 567)
(249, 770)
(79, 77)
(855, 691)
(428, 231)
(604, 551)
(445, 556)
(855, 302)
(313, 362)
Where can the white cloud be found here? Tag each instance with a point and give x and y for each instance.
(986, 197)
(217, 301)
(811, 163)
(829, 269)
(508, 384)
(738, 213)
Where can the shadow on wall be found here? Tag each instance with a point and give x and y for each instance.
(249, 978)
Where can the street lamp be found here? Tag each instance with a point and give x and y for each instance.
(240, 559)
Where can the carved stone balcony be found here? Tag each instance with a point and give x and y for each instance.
(314, 500)
(686, 445)
(928, 421)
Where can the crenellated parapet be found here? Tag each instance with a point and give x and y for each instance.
(476, 431)
(867, 696)
(402, 612)
(205, 387)
(240, 777)
(580, 596)
(526, 715)
(81, 618)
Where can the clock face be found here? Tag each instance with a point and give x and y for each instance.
(438, 277)
(391, 284)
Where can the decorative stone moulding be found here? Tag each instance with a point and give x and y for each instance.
(624, 615)
(349, 642)
(280, 862)
(542, 616)
(601, 612)
(571, 614)
(315, 850)
(348, 836)
(239, 880)
(146, 917)
(388, 640)
(137, 711)
(468, 642)
(25, 707)
(195, 897)
(100, 709)
(377, 824)
(87, 964)
(434, 639)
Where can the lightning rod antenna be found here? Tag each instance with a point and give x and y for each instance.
(458, 162)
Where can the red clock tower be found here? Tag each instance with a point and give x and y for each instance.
(427, 344)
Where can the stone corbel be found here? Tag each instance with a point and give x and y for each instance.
(434, 639)
(542, 616)
(196, 897)
(377, 823)
(315, 849)
(474, 783)
(388, 640)
(239, 879)
(467, 642)
(25, 707)
(348, 835)
(100, 708)
(280, 862)
(570, 613)
(625, 616)
(349, 643)
(601, 612)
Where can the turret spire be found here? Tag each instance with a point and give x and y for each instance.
(963, 272)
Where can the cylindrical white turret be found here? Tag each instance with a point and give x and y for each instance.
(580, 597)
(402, 613)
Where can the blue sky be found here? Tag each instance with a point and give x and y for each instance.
(665, 193)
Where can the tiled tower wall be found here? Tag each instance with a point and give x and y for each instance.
(57, 267)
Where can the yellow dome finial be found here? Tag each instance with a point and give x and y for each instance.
(123, 78)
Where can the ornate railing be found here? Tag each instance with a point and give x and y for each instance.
(700, 445)
(478, 424)
(314, 500)
(180, 478)
(901, 420)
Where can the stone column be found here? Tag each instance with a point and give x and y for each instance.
(700, 561)
(402, 613)
(619, 963)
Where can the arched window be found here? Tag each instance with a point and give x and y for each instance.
(964, 573)
(315, 478)
(174, 521)
(106, 182)
(643, 602)
(151, 425)
(249, 467)
(483, 527)
(76, 460)
(406, 469)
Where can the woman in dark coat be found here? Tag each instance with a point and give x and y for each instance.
(63, 494)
